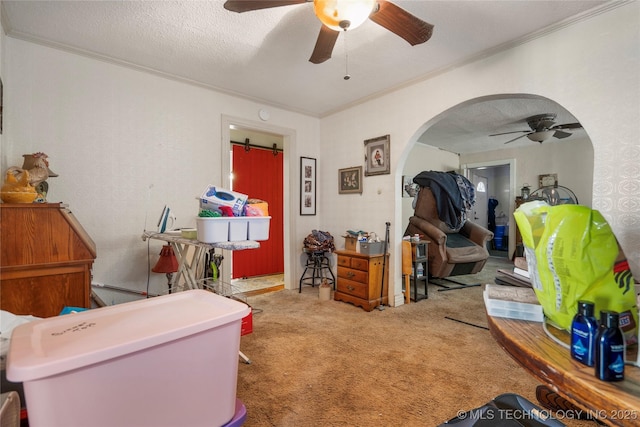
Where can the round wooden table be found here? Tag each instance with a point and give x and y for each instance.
(613, 403)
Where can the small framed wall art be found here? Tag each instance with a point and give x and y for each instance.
(376, 156)
(350, 180)
(307, 186)
(548, 180)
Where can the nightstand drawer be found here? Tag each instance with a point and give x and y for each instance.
(344, 261)
(353, 288)
(360, 264)
(353, 262)
(351, 274)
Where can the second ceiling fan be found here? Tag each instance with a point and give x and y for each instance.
(343, 15)
(543, 127)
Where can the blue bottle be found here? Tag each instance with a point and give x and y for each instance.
(584, 328)
(610, 348)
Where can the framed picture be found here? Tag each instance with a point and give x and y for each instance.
(307, 186)
(350, 180)
(376, 156)
(548, 180)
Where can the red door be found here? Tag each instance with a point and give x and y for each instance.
(258, 173)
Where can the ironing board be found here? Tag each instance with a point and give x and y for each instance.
(190, 252)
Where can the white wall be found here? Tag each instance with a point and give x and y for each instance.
(111, 133)
(596, 80)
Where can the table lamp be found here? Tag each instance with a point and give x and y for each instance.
(168, 264)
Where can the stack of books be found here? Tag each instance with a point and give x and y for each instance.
(513, 302)
(513, 277)
(519, 276)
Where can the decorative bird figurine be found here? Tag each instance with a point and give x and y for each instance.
(38, 169)
(37, 164)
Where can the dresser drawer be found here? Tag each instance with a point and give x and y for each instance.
(353, 262)
(360, 264)
(351, 274)
(350, 287)
(344, 261)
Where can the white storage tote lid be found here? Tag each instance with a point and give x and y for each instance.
(51, 346)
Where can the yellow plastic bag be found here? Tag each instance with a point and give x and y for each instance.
(572, 254)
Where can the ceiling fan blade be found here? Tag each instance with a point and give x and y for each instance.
(249, 5)
(568, 126)
(324, 45)
(514, 139)
(400, 22)
(561, 134)
(507, 133)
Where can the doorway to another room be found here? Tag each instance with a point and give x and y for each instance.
(493, 183)
(257, 170)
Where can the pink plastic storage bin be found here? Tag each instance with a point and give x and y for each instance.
(166, 361)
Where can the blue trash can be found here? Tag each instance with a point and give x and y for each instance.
(498, 237)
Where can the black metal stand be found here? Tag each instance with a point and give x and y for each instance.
(419, 257)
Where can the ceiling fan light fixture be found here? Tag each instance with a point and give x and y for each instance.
(343, 15)
(541, 136)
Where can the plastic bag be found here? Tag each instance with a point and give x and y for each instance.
(256, 207)
(572, 254)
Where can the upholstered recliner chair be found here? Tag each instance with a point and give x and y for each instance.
(450, 252)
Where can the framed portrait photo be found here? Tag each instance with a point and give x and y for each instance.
(376, 156)
(350, 180)
(307, 186)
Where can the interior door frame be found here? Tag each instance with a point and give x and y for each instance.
(289, 190)
(466, 168)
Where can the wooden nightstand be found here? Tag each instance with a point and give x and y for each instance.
(360, 278)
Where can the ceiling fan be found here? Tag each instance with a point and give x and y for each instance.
(343, 15)
(543, 127)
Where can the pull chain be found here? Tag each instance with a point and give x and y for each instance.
(346, 57)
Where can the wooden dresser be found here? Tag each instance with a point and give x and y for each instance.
(45, 259)
(360, 278)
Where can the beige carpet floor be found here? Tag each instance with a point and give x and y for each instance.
(329, 363)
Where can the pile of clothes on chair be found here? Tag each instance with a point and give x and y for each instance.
(319, 241)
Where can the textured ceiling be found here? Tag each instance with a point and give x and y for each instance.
(467, 129)
(263, 55)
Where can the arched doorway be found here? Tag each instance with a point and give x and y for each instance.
(458, 139)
